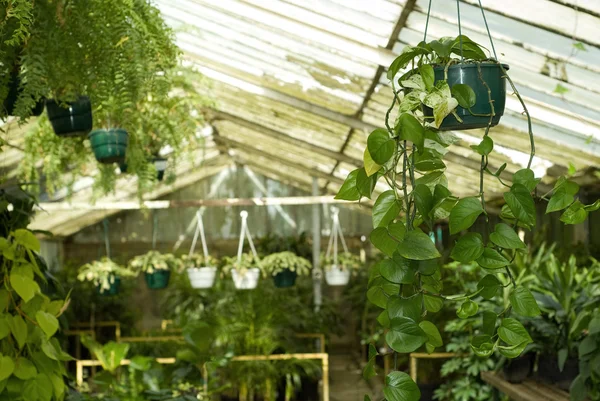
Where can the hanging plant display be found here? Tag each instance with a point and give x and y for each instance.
(109, 145)
(337, 273)
(245, 271)
(201, 270)
(160, 164)
(70, 119)
(156, 267)
(285, 268)
(10, 105)
(105, 275)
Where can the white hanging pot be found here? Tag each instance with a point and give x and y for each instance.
(245, 280)
(336, 276)
(202, 277)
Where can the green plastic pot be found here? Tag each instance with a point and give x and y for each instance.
(285, 279)
(8, 106)
(468, 74)
(109, 145)
(158, 280)
(73, 121)
(113, 289)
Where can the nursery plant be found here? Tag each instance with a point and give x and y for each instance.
(196, 260)
(245, 272)
(407, 156)
(285, 267)
(105, 274)
(156, 267)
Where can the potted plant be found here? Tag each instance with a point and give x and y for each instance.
(109, 144)
(105, 274)
(285, 267)
(245, 272)
(156, 267)
(339, 274)
(71, 118)
(201, 270)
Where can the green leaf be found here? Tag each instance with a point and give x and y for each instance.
(383, 319)
(578, 390)
(18, 328)
(465, 96)
(397, 270)
(587, 346)
(369, 370)
(464, 214)
(428, 75)
(405, 335)
(433, 335)
(489, 322)
(418, 246)
(575, 214)
(442, 47)
(381, 146)
(563, 195)
(468, 248)
(21, 280)
(521, 203)
(489, 286)
(432, 303)
(467, 309)
(491, 259)
(348, 190)
(523, 302)
(428, 161)
(410, 307)
(370, 166)
(27, 239)
(563, 353)
(397, 230)
(141, 363)
(364, 184)
(441, 101)
(47, 322)
(381, 240)
(470, 49)
(505, 237)
(385, 209)
(512, 332)
(4, 327)
(403, 59)
(423, 200)
(513, 351)
(39, 389)
(24, 369)
(412, 130)
(526, 178)
(485, 147)
(482, 346)
(7, 366)
(4, 299)
(433, 179)
(400, 387)
(593, 207)
(380, 289)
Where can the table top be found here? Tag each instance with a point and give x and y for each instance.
(529, 390)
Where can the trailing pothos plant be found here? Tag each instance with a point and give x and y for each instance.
(408, 156)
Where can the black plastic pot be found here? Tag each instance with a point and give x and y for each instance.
(285, 279)
(158, 280)
(76, 120)
(549, 372)
(160, 163)
(468, 74)
(8, 107)
(518, 369)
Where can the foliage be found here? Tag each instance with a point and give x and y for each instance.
(102, 273)
(277, 262)
(587, 383)
(31, 358)
(154, 260)
(246, 262)
(408, 155)
(272, 243)
(345, 261)
(198, 260)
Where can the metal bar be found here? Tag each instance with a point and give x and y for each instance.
(317, 273)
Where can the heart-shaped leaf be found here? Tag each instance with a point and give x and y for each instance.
(464, 214)
(405, 335)
(465, 95)
(7, 367)
(523, 302)
(381, 146)
(400, 387)
(491, 259)
(505, 237)
(418, 246)
(385, 209)
(468, 248)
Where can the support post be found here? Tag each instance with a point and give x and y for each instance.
(317, 272)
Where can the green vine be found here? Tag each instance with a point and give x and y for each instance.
(407, 285)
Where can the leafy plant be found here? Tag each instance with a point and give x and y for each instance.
(102, 273)
(154, 260)
(247, 262)
(409, 155)
(345, 261)
(278, 262)
(587, 383)
(198, 260)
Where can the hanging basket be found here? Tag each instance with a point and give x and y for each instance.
(8, 107)
(109, 145)
(160, 163)
(245, 280)
(285, 279)
(158, 280)
(115, 285)
(335, 276)
(73, 121)
(202, 277)
(468, 74)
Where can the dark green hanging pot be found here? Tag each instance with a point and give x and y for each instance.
(157, 280)
(8, 106)
(109, 145)
(113, 289)
(285, 279)
(76, 120)
(468, 74)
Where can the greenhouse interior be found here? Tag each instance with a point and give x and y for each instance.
(300, 200)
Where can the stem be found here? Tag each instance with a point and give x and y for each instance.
(404, 166)
(411, 218)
